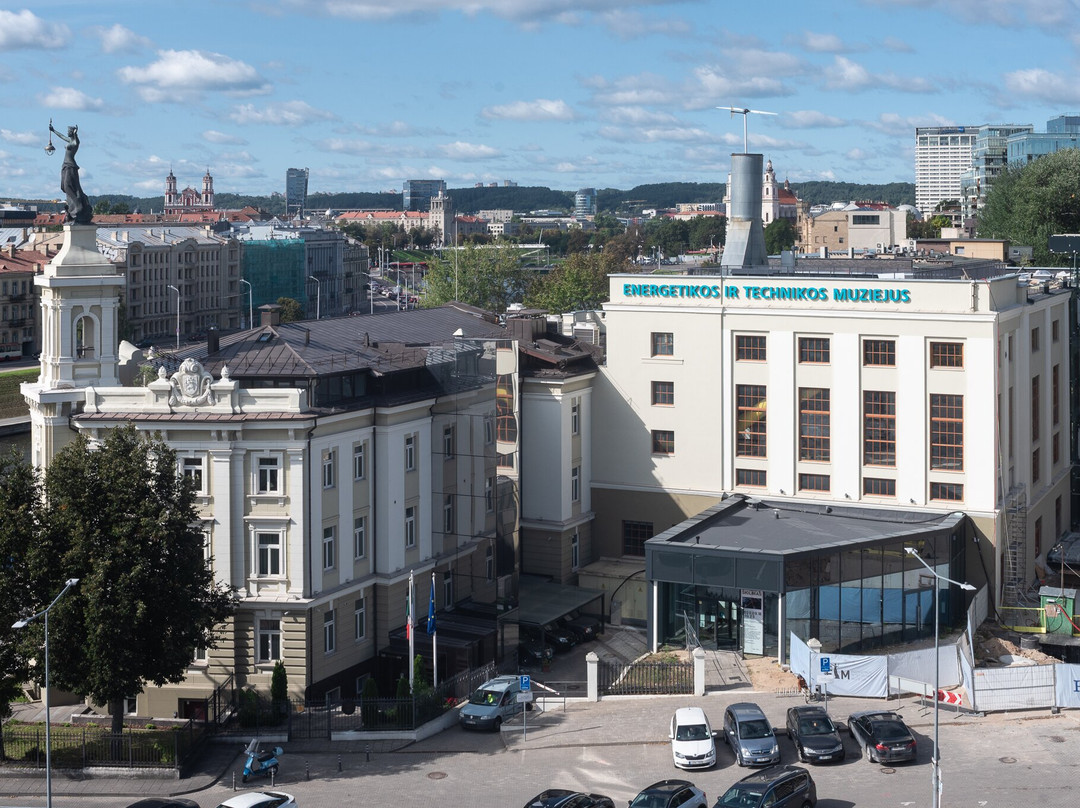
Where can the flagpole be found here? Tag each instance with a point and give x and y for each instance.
(409, 630)
(432, 627)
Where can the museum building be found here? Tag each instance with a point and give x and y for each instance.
(773, 441)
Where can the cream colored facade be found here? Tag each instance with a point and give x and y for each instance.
(844, 230)
(315, 516)
(993, 339)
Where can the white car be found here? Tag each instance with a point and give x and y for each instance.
(261, 799)
(693, 745)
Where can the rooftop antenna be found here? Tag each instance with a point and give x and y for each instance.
(745, 112)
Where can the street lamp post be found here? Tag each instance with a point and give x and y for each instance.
(48, 716)
(177, 315)
(251, 315)
(935, 760)
(318, 297)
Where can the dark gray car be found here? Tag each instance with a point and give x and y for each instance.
(775, 787)
(814, 734)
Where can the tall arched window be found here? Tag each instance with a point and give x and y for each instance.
(84, 338)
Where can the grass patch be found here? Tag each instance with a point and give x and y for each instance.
(12, 404)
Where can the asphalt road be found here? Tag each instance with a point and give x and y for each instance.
(619, 746)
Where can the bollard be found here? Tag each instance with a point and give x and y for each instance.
(307, 771)
(273, 776)
(367, 753)
(339, 762)
(234, 781)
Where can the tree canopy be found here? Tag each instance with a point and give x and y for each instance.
(121, 519)
(579, 283)
(489, 278)
(1030, 203)
(779, 236)
(292, 310)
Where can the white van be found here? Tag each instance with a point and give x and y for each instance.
(692, 743)
(492, 703)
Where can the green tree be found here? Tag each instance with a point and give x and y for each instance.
(291, 310)
(779, 236)
(579, 283)
(122, 520)
(489, 278)
(1028, 204)
(279, 683)
(19, 499)
(922, 228)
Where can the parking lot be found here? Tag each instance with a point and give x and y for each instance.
(618, 746)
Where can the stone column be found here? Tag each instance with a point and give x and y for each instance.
(592, 665)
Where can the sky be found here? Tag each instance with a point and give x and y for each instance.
(559, 93)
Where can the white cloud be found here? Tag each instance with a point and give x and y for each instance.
(118, 39)
(634, 25)
(809, 119)
(70, 98)
(823, 43)
(677, 134)
(714, 87)
(20, 138)
(344, 146)
(896, 45)
(177, 75)
(567, 12)
(857, 154)
(214, 136)
(1053, 89)
(286, 113)
(460, 150)
(850, 76)
(25, 30)
(895, 125)
(638, 116)
(540, 109)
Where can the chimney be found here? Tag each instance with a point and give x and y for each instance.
(212, 343)
(269, 314)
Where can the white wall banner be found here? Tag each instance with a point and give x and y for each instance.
(919, 665)
(800, 658)
(753, 618)
(1021, 687)
(1067, 685)
(853, 676)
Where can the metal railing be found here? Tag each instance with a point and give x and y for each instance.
(81, 747)
(645, 678)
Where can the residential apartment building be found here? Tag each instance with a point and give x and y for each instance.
(1062, 132)
(915, 399)
(862, 229)
(19, 334)
(942, 155)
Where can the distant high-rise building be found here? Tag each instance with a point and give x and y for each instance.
(988, 159)
(585, 203)
(1062, 132)
(417, 194)
(942, 155)
(296, 180)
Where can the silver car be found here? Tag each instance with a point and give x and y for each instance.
(750, 735)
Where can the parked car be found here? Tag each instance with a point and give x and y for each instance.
(561, 798)
(533, 652)
(585, 627)
(261, 799)
(750, 735)
(693, 745)
(882, 736)
(558, 638)
(492, 703)
(164, 802)
(814, 734)
(671, 794)
(775, 787)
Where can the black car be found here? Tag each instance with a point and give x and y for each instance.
(882, 736)
(814, 734)
(584, 627)
(558, 638)
(561, 798)
(776, 787)
(533, 652)
(164, 802)
(671, 794)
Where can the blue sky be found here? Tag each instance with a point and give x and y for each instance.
(560, 93)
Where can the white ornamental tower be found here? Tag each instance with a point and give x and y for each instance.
(80, 304)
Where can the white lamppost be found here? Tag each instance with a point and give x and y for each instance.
(48, 716)
(251, 315)
(318, 297)
(935, 760)
(177, 315)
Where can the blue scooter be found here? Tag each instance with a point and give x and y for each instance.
(261, 763)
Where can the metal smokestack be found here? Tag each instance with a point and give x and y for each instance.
(745, 246)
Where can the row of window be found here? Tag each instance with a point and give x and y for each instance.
(818, 351)
(872, 486)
